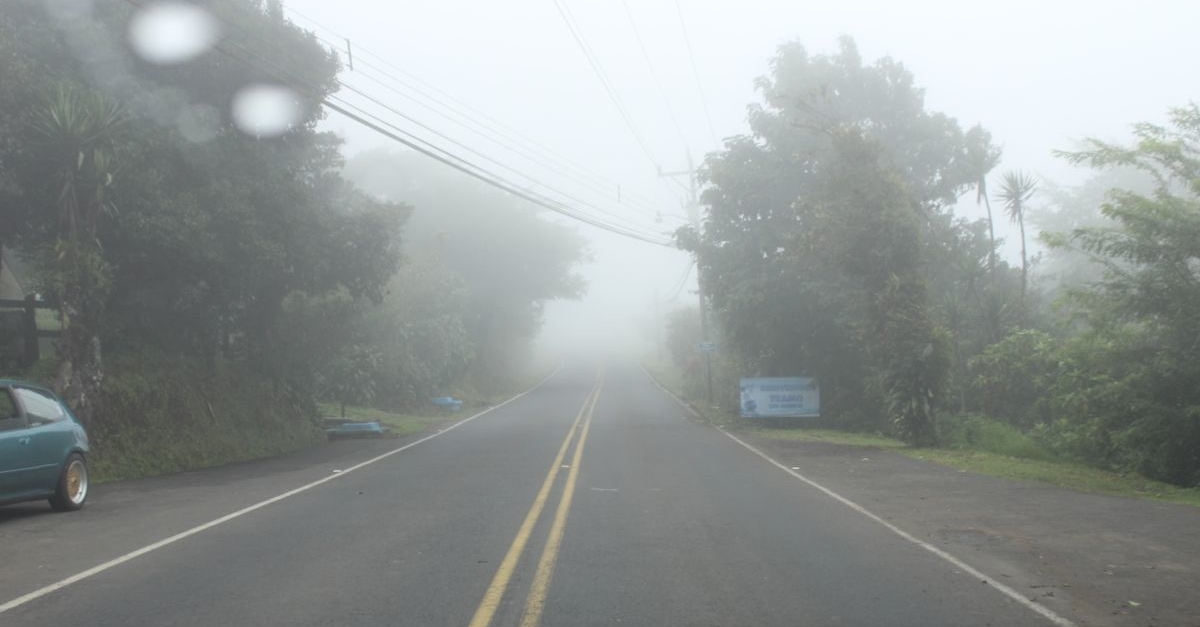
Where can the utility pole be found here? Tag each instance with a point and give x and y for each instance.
(658, 328)
(692, 207)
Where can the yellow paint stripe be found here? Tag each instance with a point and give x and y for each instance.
(132, 555)
(535, 603)
(495, 592)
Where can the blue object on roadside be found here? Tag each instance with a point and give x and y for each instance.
(371, 429)
(447, 402)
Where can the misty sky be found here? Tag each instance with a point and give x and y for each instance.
(1038, 75)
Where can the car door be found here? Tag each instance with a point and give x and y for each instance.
(15, 446)
(52, 436)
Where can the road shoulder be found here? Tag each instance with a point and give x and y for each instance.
(1108, 560)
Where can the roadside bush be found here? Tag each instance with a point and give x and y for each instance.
(1124, 403)
(978, 433)
(160, 415)
(1012, 378)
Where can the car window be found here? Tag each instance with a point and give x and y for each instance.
(40, 408)
(10, 418)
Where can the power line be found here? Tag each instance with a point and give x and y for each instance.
(443, 136)
(695, 73)
(594, 62)
(654, 73)
(498, 138)
(441, 155)
(628, 227)
(533, 157)
(481, 155)
(493, 125)
(498, 183)
(687, 273)
(530, 156)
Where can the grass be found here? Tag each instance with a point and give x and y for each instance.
(1012, 455)
(1054, 472)
(871, 440)
(974, 432)
(666, 375)
(474, 400)
(400, 424)
(1060, 473)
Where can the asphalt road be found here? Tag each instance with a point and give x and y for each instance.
(590, 500)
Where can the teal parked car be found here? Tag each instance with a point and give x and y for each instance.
(43, 448)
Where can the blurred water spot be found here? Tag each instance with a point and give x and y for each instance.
(171, 32)
(266, 110)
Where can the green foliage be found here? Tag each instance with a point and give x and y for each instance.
(1128, 399)
(421, 333)
(504, 258)
(1058, 472)
(980, 159)
(1016, 189)
(822, 227)
(236, 254)
(976, 432)
(1013, 378)
(1068, 209)
(350, 376)
(914, 359)
(683, 335)
(162, 414)
(75, 134)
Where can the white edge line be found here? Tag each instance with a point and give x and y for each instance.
(1042, 610)
(95, 570)
(682, 404)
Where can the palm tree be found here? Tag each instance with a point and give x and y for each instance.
(981, 158)
(77, 131)
(1015, 191)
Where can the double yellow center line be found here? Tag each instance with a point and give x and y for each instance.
(536, 601)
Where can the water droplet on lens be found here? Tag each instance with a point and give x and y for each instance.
(266, 110)
(172, 32)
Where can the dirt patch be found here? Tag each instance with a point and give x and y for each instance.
(1096, 559)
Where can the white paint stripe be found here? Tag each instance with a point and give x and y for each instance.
(1007, 591)
(670, 393)
(1042, 610)
(95, 570)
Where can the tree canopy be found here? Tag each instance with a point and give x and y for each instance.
(818, 225)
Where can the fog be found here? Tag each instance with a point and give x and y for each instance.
(1039, 76)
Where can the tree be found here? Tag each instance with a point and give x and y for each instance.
(1015, 191)
(1132, 389)
(683, 334)
(511, 257)
(421, 332)
(78, 131)
(818, 230)
(1068, 209)
(226, 248)
(982, 158)
(350, 376)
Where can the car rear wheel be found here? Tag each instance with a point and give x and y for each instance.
(72, 485)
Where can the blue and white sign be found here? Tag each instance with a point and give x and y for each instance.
(780, 397)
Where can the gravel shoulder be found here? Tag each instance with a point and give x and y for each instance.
(1098, 559)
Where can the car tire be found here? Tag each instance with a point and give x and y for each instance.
(73, 485)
